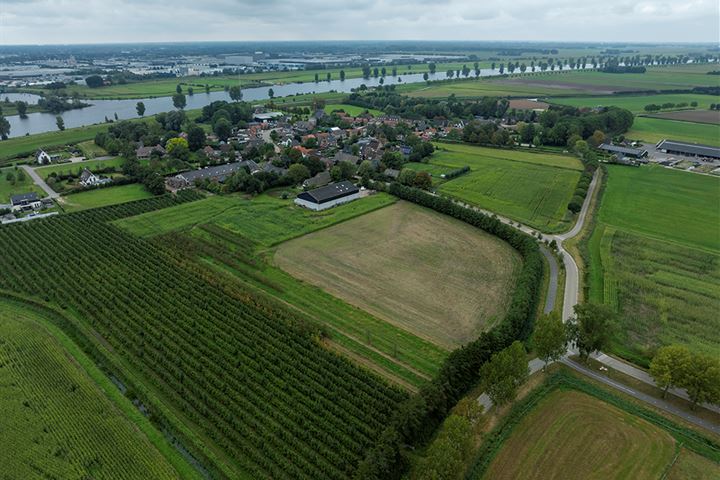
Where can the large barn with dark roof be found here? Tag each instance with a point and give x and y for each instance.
(328, 196)
(688, 149)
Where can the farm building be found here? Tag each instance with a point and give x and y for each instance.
(688, 149)
(328, 196)
(268, 116)
(624, 151)
(218, 174)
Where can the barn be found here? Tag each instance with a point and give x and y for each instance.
(328, 196)
(688, 149)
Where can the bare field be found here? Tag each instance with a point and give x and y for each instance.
(434, 276)
(699, 116)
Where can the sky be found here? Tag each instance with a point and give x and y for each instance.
(114, 21)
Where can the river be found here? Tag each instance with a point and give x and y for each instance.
(124, 109)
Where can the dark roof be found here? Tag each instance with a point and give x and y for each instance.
(219, 172)
(320, 179)
(330, 192)
(691, 148)
(624, 150)
(24, 198)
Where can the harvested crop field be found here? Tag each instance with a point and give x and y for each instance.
(527, 104)
(568, 425)
(434, 276)
(699, 116)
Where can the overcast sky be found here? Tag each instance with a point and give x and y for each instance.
(110, 21)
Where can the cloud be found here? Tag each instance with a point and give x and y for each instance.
(101, 21)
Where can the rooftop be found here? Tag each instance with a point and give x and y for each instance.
(330, 192)
(692, 148)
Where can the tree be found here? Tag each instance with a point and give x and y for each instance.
(10, 178)
(140, 108)
(179, 100)
(60, 123)
(20, 175)
(701, 379)
(445, 458)
(669, 365)
(271, 93)
(328, 77)
(297, 173)
(550, 338)
(425, 76)
(592, 328)
(191, 91)
(207, 88)
(365, 168)
(407, 176)
(22, 109)
(178, 88)
(4, 128)
(177, 148)
(342, 75)
(222, 128)
(423, 181)
(432, 67)
(94, 81)
(504, 373)
(317, 78)
(195, 138)
(235, 93)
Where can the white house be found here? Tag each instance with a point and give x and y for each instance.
(42, 157)
(328, 196)
(89, 179)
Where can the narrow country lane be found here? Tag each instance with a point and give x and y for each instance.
(40, 182)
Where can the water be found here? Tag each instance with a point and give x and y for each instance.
(125, 109)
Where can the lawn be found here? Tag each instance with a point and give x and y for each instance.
(388, 263)
(530, 188)
(62, 417)
(28, 145)
(571, 435)
(76, 168)
(16, 187)
(636, 103)
(655, 258)
(655, 129)
(104, 196)
(351, 109)
(91, 150)
(691, 466)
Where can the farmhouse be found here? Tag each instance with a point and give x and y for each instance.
(624, 151)
(89, 179)
(688, 149)
(218, 174)
(328, 196)
(145, 152)
(25, 201)
(44, 158)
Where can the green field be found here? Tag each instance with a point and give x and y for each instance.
(351, 109)
(28, 145)
(691, 466)
(62, 417)
(482, 87)
(235, 236)
(636, 103)
(77, 168)
(398, 282)
(8, 189)
(655, 257)
(656, 129)
(532, 188)
(91, 150)
(566, 426)
(104, 196)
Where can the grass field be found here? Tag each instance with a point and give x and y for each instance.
(636, 103)
(7, 189)
(236, 237)
(656, 129)
(478, 88)
(58, 421)
(571, 435)
(655, 257)
(528, 187)
(104, 196)
(24, 146)
(91, 150)
(691, 466)
(388, 263)
(351, 109)
(74, 168)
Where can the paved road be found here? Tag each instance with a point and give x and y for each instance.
(39, 181)
(553, 283)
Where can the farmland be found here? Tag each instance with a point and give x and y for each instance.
(699, 116)
(568, 425)
(247, 229)
(531, 188)
(398, 282)
(77, 167)
(24, 146)
(654, 129)
(663, 280)
(242, 379)
(9, 188)
(351, 109)
(636, 103)
(57, 407)
(104, 196)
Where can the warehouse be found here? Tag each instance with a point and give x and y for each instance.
(688, 149)
(328, 196)
(624, 151)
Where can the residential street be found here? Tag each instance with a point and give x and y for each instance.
(40, 182)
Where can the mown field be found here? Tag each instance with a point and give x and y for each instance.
(16, 187)
(77, 168)
(62, 417)
(482, 87)
(245, 382)
(636, 103)
(530, 188)
(234, 236)
(434, 276)
(351, 109)
(104, 196)
(28, 145)
(655, 257)
(571, 435)
(655, 129)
